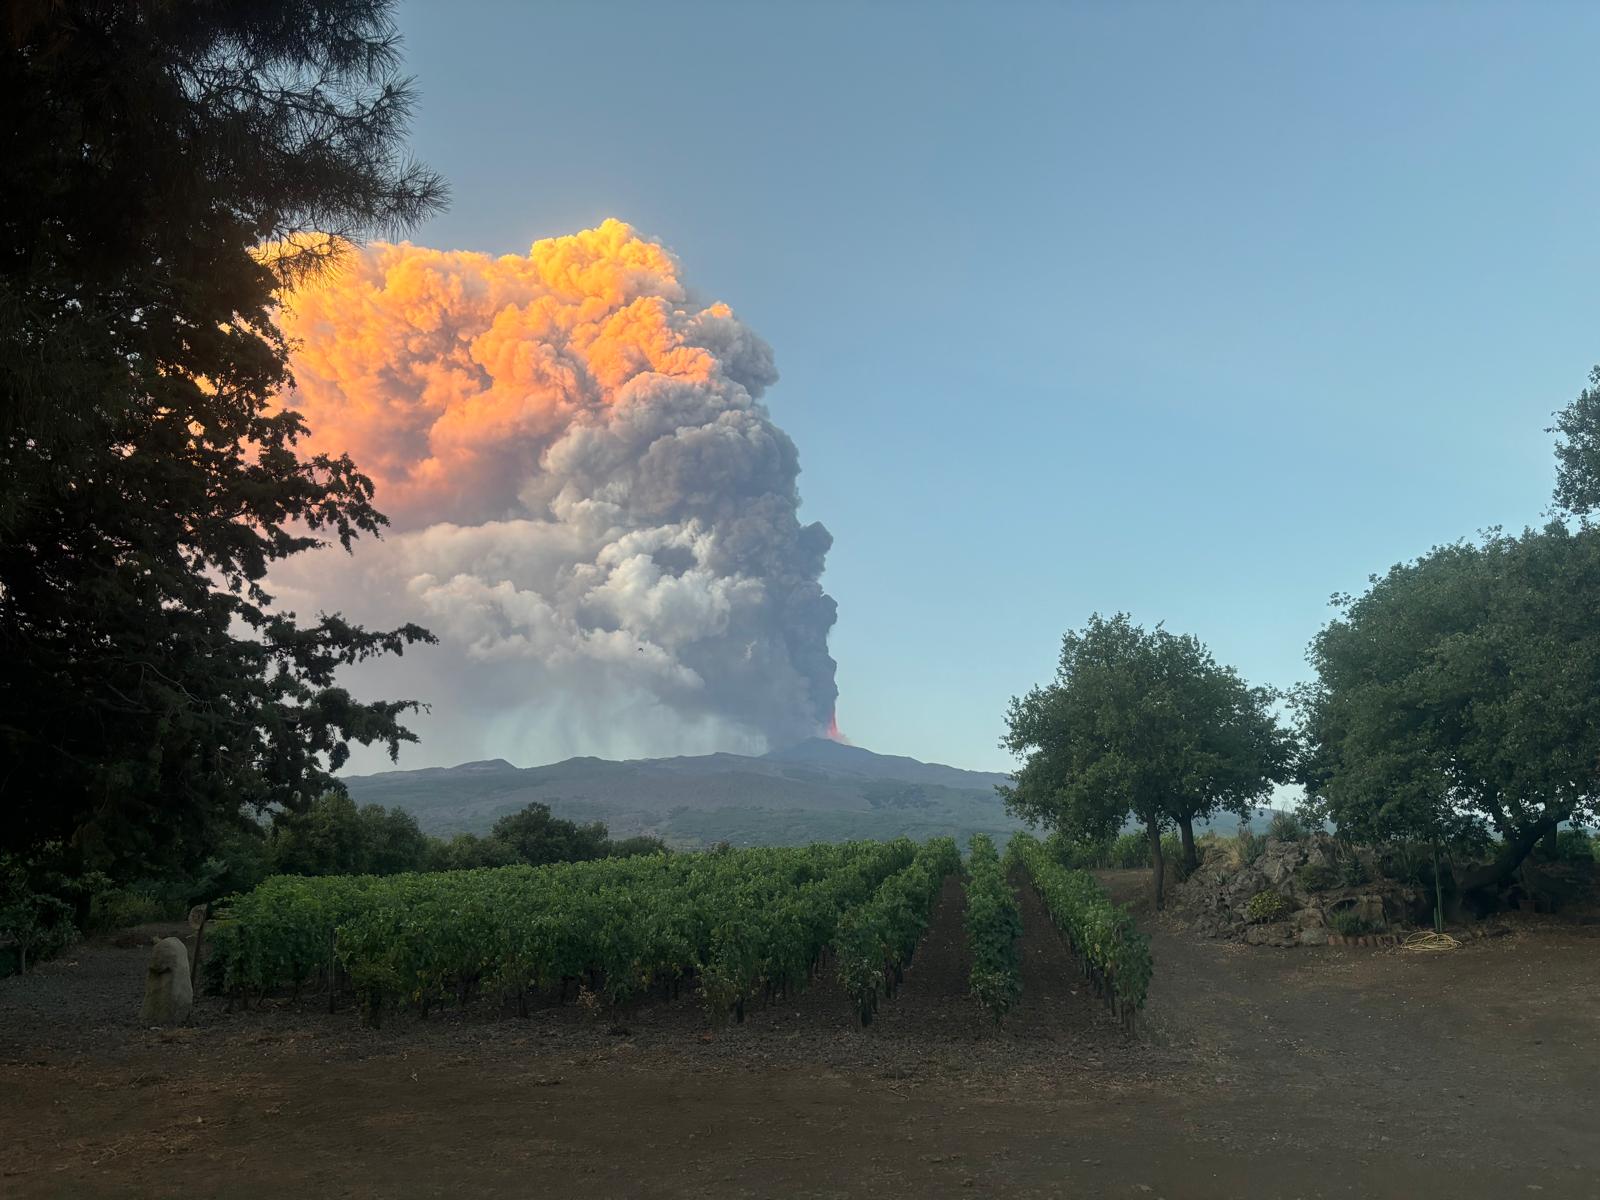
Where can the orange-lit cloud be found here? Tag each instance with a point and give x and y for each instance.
(590, 502)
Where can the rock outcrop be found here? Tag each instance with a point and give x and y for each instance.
(1311, 877)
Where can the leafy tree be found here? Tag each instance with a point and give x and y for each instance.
(391, 841)
(1142, 723)
(323, 838)
(149, 686)
(1578, 450)
(331, 836)
(33, 916)
(535, 837)
(1460, 695)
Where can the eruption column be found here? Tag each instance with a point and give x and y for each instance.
(591, 506)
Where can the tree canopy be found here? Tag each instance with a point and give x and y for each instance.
(1140, 723)
(1578, 450)
(155, 156)
(1460, 696)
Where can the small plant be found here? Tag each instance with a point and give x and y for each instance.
(1288, 827)
(589, 1004)
(1349, 923)
(1267, 906)
(1316, 877)
(1352, 872)
(1251, 845)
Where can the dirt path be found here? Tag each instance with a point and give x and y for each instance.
(1295, 1074)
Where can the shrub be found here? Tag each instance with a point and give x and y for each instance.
(1575, 845)
(1316, 877)
(1251, 845)
(1352, 871)
(35, 914)
(1288, 827)
(1130, 850)
(36, 923)
(134, 905)
(1078, 855)
(1172, 852)
(1267, 906)
(1349, 923)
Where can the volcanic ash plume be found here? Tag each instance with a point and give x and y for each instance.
(591, 508)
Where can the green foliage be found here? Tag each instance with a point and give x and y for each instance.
(1352, 871)
(1130, 850)
(1317, 877)
(1101, 933)
(1575, 845)
(1077, 854)
(739, 923)
(1251, 845)
(1127, 851)
(1288, 826)
(535, 837)
(141, 903)
(1348, 922)
(1456, 696)
(994, 926)
(1267, 906)
(1578, 451)
(331, 836)
(1142, 723)
(149, 686)
(875, 941)
(33, 916)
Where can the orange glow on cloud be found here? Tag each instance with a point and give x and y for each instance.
(591, 506)
(447, 374)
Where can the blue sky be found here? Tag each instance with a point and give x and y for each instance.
(1201, 312)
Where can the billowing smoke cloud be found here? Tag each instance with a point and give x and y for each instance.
(591, 507)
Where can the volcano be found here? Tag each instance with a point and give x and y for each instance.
(816, 790)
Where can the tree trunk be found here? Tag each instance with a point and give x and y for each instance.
(1191, 860)
(1154, 830)
(1515, 849)
(1552, 844)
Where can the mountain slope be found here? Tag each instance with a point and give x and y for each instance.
(816, 791)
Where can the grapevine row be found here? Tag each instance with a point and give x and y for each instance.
(876, 940)
(737, 925)
(994, 925)
(1114, 954)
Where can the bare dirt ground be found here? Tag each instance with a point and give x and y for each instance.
(1260, 1073)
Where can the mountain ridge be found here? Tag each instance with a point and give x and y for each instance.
(816, 790)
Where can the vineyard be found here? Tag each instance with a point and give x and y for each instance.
(1114, 955)
(730, 927)
(994, 926)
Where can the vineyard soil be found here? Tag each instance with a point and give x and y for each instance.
(1334, 1072)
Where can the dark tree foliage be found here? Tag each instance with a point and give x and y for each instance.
(536, 837)
(150, 692)
(332, 836)
(1578, 451)
(1141, 723)
(1460, 696)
